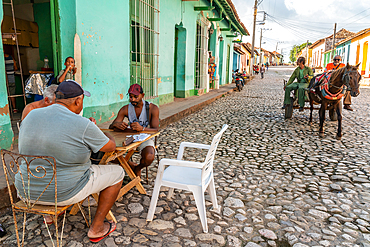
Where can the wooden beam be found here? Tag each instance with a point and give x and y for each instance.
(225, 29)
(204, 8)
(237, 41)
(231, 35)
(215, 19)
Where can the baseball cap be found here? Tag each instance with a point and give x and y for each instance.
(135, 89)
(70, 89)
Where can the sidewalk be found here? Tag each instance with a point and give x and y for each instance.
(168, 113)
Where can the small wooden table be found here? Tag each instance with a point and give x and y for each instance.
(129, 150)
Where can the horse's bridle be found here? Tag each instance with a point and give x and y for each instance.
(345, 78)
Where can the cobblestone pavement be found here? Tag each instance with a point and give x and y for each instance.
(278, 182)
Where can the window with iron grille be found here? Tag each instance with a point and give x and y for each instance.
(144, 45)
(201, 53)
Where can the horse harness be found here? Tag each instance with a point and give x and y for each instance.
(325, 85)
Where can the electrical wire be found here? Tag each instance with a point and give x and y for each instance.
(296, 30)
(355, 15)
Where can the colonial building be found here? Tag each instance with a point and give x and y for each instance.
(164, 45)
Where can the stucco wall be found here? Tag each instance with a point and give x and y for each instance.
(173, 13)
(104, 33)
(105, 54)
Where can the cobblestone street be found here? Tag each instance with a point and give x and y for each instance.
(277, 182)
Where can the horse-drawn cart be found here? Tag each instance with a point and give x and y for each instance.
(294, 105)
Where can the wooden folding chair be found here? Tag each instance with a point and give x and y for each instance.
(27, 169)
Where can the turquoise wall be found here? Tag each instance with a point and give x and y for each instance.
(67, 29)
(42, 18)
(105, 47)
(6, 133)
(174, 13)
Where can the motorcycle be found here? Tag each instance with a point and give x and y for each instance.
(239, 81)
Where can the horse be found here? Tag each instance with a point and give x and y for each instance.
(329, 94)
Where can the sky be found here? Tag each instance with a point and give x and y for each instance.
(291, 22)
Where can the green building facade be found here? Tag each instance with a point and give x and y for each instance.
(164, 45)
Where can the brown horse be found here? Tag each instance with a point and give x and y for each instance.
(346, 77)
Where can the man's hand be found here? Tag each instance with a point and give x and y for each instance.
(305, 77)
(74, 70)
(136, 126)
(92, 120)
(120, 125)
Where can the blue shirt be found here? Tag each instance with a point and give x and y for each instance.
(69, 138)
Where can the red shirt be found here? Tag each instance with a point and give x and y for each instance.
(330, 66)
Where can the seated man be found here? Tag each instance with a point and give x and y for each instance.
(336, 64)
(60, 132)
(303, 74)
(141, 115)
(49, 96)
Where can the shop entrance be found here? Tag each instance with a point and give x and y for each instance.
(27, 42)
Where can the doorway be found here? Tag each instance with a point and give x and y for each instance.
(364, 58)
(179, 61)
(26, 52)
(228, 65)
(221, 56)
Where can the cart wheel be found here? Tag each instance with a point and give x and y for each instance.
(289, 110)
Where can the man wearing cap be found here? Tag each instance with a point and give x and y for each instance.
(59, 131)
(336, 64)
(141, 115)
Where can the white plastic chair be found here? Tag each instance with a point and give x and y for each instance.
(187, 175)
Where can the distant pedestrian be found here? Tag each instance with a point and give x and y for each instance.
(262, 70)
(267, 66)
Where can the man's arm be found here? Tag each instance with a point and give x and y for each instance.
(118, 123)
(110, 146)
(309, 75)
(292, 78)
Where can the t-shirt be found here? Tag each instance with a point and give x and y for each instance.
(301, 76)
(69, 138)
(69, 75)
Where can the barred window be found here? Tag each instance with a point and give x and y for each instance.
(201, 55)
(144, 45)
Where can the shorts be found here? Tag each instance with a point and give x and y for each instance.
(11, 89)
(102, 177)
(148, 143)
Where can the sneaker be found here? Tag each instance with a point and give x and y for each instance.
(348, 107)
(301, 109)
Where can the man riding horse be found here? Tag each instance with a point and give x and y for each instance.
(303, 74)
(336, 64)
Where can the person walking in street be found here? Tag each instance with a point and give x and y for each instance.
(303, 74)
(262, 70)
(336, 64)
